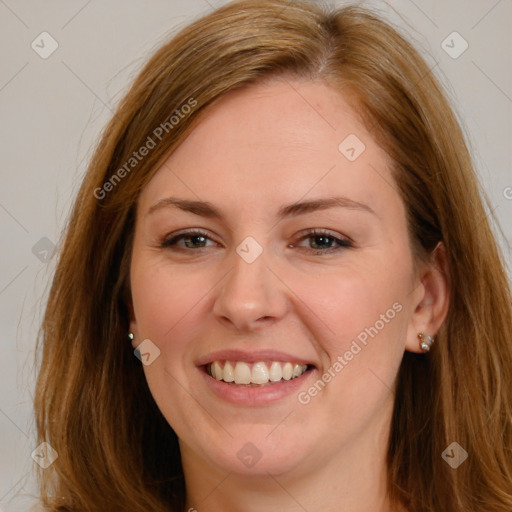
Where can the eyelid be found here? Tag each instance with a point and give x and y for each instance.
(342, 241)
(324, 231)
(187, 232)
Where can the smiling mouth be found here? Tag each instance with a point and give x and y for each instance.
(262, 373)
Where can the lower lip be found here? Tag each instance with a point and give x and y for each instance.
(255, 395)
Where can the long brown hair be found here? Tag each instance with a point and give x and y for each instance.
(93, 406)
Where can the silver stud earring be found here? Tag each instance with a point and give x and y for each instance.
(130, 336)
(426, 341)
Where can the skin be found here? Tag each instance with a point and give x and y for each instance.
(257, 149)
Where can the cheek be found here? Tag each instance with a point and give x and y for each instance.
(360, 300)
(161, 296)
(359, 319)
(164, 302)
(167, 305)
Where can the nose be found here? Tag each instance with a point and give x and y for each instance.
(251, 295)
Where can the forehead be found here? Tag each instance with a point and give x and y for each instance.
(275, 143)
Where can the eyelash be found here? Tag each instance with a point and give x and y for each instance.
(342, 243)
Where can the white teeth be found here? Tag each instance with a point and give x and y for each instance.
(287, 371)
(240, 372)
(217, 370)
(275, 373)
(229, 372)
(259, 373)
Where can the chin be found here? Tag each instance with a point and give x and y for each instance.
(258, 453)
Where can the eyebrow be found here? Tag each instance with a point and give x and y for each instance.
(206, 209)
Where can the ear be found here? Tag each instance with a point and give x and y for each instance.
(431, 298)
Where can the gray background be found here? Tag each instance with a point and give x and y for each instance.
(53, 109)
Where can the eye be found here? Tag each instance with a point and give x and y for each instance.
(194, 239)
(321, 241)
(324, 242)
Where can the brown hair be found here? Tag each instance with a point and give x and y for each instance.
(116, 450)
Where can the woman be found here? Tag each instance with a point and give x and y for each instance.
(283, 224)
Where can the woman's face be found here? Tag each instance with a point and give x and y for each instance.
(302, 262)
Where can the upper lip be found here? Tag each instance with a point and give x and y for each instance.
(253, 356)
